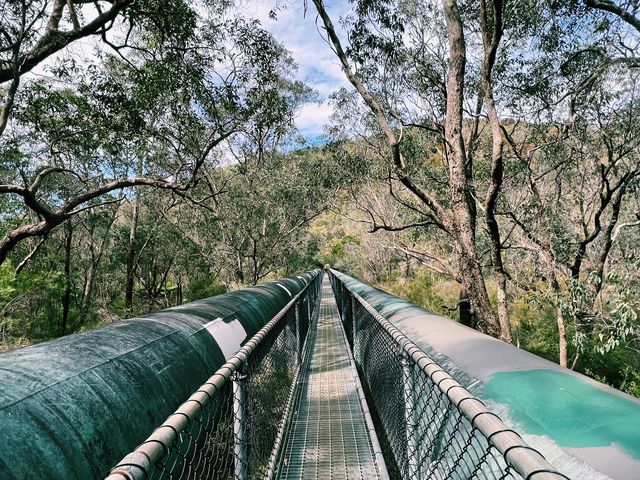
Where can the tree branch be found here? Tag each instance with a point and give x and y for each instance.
(54, 41)
(376, 108)
(32, 254)
(609, 6)
(53, 218)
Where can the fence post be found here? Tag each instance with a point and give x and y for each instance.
(240, 450)
(299, 340)
(354, 328)
(409, 416)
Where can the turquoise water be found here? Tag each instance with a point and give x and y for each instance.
(567, 409)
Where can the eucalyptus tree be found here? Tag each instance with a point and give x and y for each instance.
(438, 87)
(575, 168)
(253, 200)
(408, 62)
(259, 223)
(95, 229)
(167, 90)
(574, 197)
(34, 30)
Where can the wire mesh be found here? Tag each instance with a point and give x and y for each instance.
(205, 449)
(427, 434)
(232, 431)
(270, 374)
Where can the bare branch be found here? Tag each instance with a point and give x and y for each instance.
(31, 254)
(391, 228)
(609, 6)
(428, 259)
(619, 228)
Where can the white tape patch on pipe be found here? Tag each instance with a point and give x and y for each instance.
(229, 336)
(285, 289)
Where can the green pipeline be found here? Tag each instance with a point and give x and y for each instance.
(73, 407)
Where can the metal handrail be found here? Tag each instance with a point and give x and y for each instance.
(526, 460)
(137, 464)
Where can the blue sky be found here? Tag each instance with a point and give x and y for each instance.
(317, 64)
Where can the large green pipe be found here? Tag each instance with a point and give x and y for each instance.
(72, 407)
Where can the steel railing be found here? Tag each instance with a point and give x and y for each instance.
(430, 425)
(228, 427)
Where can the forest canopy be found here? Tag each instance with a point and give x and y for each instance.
(482, 161)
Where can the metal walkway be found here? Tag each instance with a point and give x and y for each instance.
(329, 437)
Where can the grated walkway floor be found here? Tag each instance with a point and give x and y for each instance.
(328, 437)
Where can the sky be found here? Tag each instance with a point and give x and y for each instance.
(317, 65)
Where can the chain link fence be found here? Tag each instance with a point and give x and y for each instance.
(430, 426)
(227, 429)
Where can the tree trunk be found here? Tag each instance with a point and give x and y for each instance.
(562, 331)
(562, 338)
(491, 41)
(466, 316)
(503, 308)
(87, 291)
(601, 263)
(473, 284)
(131, 254)
(239, 272)
(407, 265)
(463, 220)
(179, 294)
(66, 298)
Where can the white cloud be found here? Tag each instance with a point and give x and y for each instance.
(312, 117)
